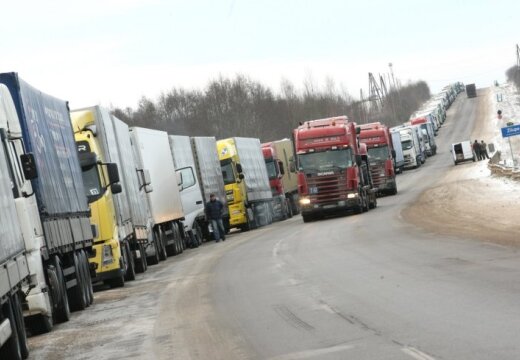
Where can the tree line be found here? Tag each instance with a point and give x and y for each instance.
(240, 106)
(513, 75)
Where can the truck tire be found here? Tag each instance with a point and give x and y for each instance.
(88, 279)
(38, 324)
(373, 203)
(154, 259)
(140, 264)
(77, 295)
(290, 208)
(11, 349)
(175, 248)
(119, 281)
(130, 271)
(161, 242)
(20, 325)
(63, 308)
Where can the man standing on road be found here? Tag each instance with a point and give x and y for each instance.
(213, 210)
(483, 150)
(476, 149)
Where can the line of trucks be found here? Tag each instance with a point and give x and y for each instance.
(85, 199)
(343, 166)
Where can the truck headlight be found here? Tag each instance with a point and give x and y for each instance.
(107, 255)
(230, 198)
(305, 201)
(352, 195)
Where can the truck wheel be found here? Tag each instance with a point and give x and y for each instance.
(63, 309)
(130, 271)
(175, 248)
(161, 244)
(11, 349)
(140, 265)
(78, 298)
(22, 335)
(88, 278)
(154, 259)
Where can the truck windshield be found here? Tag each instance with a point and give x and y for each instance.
(92, 184)
(407, 144)
(271, 169)
(227, 172)
(378, 153)
(326, 160)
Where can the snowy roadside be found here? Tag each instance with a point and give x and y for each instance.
(468, 201)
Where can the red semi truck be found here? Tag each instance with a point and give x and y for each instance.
(377, 138)
(330, 169)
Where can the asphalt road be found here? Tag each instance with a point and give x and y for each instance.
(363, 286)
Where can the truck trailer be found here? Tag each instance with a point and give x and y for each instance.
(248, 193)
(279, 161)
(471, 91)
(427, 132)
(329, 162)
(398, 148)
(152, 152)
(51, 202)
(209, 175)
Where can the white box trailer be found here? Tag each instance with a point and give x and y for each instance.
(152, 151)
(191, 194)
(209, 174)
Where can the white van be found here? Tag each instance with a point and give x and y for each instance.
(462, 151)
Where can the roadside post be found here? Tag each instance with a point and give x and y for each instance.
(508, 132)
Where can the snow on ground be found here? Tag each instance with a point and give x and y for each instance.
(506, 98)
(468, 202)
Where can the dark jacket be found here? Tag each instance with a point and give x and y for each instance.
(213, 210)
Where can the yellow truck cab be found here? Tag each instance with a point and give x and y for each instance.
(233, 184)
(101, 183)
(246, 182)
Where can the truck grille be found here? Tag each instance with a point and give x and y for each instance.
(377, 171)
(327, 189)
(408, 160)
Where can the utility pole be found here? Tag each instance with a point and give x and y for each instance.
(375, 95)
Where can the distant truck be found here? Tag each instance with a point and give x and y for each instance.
(209, 176)
(51, 204)
(412, 148)
(152, 152)
(248, 193)
(279, 160)
(329, 162)
(471, 90)
(110, 177)
(381, 154)
(398, 148)
(190, 190)
(427, 132)
(462, 151)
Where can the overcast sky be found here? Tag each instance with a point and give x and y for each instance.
(115, 51)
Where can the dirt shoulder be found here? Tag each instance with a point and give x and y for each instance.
(468, 202)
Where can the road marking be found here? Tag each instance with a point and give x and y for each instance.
(307, 354)
(416, 354)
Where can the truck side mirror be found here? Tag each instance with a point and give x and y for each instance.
(29, 166)
(359, 160)
(239, 168)
(280, 165)
(148, 189)
(116, 188)
(113, 173)
(241, 176)
(393, 154)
